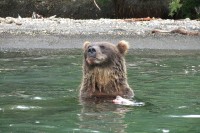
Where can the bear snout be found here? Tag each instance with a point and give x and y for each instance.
(91, 52)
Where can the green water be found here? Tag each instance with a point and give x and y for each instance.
(39, 94)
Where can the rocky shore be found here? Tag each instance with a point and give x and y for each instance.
(55, 32)
(61, 26)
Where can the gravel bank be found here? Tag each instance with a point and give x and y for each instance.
(62, 26)
(56, 33)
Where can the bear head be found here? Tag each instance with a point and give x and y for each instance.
(103, 53)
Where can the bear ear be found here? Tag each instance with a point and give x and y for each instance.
(123, 47)
(86, 44)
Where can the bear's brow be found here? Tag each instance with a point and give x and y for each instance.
(102, 46)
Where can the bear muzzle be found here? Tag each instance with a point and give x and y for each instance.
(91, 52)
(95, 56)
(91, 55)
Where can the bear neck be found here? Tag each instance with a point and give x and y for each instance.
(101, 79)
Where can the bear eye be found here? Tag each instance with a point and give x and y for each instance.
(102, 47)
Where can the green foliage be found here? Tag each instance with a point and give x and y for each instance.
(184, 8)
(189, 8)
(174, 7)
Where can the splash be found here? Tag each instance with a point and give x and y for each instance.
(122, 101)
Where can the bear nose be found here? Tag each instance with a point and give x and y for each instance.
(91, 52)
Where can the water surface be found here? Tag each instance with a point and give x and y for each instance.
(39, 93)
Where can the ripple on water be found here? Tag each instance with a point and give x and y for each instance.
(24, 107)
(164, 130)
(38, 98)
(185, 116)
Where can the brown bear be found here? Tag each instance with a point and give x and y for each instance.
(104, 71)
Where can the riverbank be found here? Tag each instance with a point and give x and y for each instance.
(60, 33)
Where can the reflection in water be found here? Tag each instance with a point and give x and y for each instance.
(103, 116)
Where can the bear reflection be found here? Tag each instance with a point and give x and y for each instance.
(102, 116)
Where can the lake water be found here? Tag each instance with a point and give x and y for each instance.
(39, 94)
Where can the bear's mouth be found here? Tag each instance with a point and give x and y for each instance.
(93, 60)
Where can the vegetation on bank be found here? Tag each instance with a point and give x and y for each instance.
(95, 9)
(185, 9)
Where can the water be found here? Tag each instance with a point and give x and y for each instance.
(39, 94)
